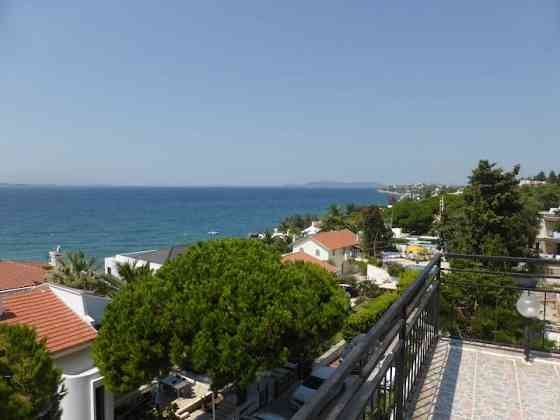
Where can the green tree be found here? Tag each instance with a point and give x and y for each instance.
(228, 308)
(552, 178)
(493, 220)
(375, 234)
(133, 344)
(296, 223)
(540, 176)
(334, 219)
(30, 385)
(415, 216)
(79, 271)
(133, 272)
(483, 307)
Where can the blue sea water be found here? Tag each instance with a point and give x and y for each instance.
(109, 220)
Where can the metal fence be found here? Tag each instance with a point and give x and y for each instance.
(472, 299)
(479, 296)
(382, 369)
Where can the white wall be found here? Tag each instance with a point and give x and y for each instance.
(87, 306)
(312, 248)
(111, 263)
(80, 379)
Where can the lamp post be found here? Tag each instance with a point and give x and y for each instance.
(528, 306)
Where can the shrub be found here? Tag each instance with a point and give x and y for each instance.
(366, 315)
(394, 269)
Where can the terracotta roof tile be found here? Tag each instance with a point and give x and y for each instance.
(15, 274)
(337, 239)
(302, 256)
(50, 317)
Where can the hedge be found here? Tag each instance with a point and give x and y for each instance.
(367, 315)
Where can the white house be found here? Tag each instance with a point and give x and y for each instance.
(154, 257)
(66, 318)
(337, 247)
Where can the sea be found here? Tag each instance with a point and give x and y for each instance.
(103, 221)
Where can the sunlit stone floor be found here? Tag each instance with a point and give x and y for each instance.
(466, 381)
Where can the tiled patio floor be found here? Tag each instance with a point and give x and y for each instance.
(473, 382)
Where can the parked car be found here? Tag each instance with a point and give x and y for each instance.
(307, 389)
(264, 416)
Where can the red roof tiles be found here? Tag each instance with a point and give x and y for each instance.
(302, 256)
(337, 239)
(15, 274)
(50, 317)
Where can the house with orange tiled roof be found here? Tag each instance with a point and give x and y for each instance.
(338, 248)
(17, 276)
(66, 319)
(302, 256)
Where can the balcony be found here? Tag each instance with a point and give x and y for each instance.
(454, 348)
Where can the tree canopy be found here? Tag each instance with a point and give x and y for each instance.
(228, 308)
(375, 232)
(79, 271)
(494, 220)
(30, 385)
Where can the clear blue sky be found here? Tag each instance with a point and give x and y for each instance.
(272, 92)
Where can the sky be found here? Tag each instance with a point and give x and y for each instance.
(263, 92)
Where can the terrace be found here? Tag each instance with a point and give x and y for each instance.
(454, 346)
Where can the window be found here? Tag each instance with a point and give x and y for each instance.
(100, 403)
(317, 253)
(109, 270)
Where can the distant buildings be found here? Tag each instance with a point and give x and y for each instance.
(154, 258)
(531, 183)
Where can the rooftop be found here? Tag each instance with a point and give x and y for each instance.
(158, 256)
(302, 256)
(51, 318)
(17, 275)
(337, 239)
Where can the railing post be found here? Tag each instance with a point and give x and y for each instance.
(400, 368)
(437, 297)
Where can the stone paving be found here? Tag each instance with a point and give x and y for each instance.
(466, 381)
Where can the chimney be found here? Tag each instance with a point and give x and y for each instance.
(55, 257)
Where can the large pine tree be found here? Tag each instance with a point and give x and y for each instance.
(494, 220)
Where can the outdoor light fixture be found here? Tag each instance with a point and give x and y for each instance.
(528, 306)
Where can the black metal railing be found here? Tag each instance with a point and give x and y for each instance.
(381, 371)
(464, 297)
(479, 296)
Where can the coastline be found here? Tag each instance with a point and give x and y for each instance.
(394, 193)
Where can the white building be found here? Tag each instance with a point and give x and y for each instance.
(531, 183)
(548, 238)
(154, 257)
(314, 229)
(336, 247)
(67, 319)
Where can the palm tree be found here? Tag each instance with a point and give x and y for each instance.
(131, 273)
(79, 271)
